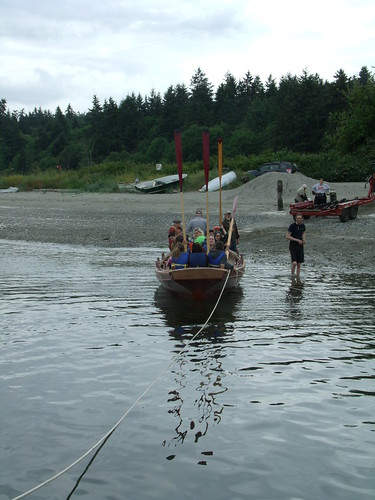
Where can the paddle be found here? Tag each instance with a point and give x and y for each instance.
(178, 148)
(220, 170)
(206, 164)
(231, 224)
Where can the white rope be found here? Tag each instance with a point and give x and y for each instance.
(106, 436)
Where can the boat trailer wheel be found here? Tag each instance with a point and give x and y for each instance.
(353, 211)
(344, 216)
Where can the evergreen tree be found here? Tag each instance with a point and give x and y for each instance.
(226, 101)
(201, 99)
(175, 110)
(356, 127)
(130, 118)
(12, 140)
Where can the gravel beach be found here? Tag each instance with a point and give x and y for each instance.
(129, 219)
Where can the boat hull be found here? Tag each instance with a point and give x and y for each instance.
(214, 185)
(199, 282)
(159, 185)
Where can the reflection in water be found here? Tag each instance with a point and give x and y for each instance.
(185, 315)
(200, 363)
(294, 296)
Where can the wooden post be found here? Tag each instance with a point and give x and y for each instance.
(280, 195)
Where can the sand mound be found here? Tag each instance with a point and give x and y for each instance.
(264, 188)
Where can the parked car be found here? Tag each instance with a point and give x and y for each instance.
(277, 166)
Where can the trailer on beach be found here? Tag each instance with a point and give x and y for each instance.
(344, 209)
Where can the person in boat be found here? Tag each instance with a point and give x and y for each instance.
(218, 236)
(218, 258)
(301, 194)
(320, 191)
(198, 237)
(167, 258)
(218, 229)
(212, 241)
(235, 234)
(197, 221)
(171, 237)
(179, 257)
(296, 236)
(177, 226)
(197, 257)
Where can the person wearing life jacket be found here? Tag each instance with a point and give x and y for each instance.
(218, 258)
(179, 258)
(197, 258)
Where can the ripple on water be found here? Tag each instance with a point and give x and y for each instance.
(274, 399)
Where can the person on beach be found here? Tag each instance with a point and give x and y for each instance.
(296, 236)
(320, 191)
(301, 194)
(197, 221)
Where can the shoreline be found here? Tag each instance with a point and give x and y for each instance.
(135, 220)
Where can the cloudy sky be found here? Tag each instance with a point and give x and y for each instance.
(53, 53)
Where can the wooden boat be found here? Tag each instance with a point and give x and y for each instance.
(214, 185)
(159, 185)
(198, 282)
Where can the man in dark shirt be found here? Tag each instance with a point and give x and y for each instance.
(235, 235)
(296, 236)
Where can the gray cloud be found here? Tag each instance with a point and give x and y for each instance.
(59, 52)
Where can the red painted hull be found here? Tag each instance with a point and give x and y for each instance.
(198, 282)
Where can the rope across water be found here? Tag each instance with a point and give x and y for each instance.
(107, 435)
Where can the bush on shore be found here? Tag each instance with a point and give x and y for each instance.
(106, 176)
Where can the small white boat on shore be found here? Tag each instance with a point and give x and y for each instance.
(214, 185)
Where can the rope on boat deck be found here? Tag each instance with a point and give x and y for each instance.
(103, 439)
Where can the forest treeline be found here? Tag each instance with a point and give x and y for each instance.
(302, 116)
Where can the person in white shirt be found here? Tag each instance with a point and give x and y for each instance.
(320, 190)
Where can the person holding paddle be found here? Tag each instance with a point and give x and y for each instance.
(235, 234)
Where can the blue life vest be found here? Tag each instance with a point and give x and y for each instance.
(181, 261)
(216, 259)
(198, 260)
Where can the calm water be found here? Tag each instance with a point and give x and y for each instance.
(274, 400)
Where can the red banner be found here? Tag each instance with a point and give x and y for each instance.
(206, 154)
(177, 144)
